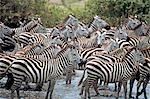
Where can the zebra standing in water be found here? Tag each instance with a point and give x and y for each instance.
(143, 73)
(29, 51)
(144, 70)
(112, 72)
(37, 71)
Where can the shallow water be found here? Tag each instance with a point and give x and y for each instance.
(63, 91)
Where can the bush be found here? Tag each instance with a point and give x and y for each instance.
(113, 11)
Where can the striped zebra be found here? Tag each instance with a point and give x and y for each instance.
(139, 28)
(30, 51)
(70, 33)
(97, 24)
(71, 21)
(37, 71)
(28, 27)
(86, 53)
(112, 72)
(5, 30)
(146, 54)
(26, 38)
(39, 28)
(144, 70)
(8, 43)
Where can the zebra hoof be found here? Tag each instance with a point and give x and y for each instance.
(131, 97)
(139, 93)
(97, 94)
(80, 93)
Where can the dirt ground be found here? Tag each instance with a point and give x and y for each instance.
(63, 91)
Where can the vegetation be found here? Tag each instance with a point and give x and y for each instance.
(114, 11)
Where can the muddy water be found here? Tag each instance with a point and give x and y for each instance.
(63, 91)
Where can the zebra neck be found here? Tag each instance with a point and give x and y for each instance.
(131, 61)
(64, 62)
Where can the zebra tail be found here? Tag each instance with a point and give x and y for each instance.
(81, 80)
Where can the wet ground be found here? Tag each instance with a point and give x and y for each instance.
(63, 91)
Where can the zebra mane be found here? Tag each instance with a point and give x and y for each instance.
(91, 22)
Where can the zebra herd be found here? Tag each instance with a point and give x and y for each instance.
(33, 53)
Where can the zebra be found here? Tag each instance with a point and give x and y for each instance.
(85, 54)
(39, 28)
(70, 33)
(112, 72)
(28, 27)
(42, 71)
(146, 54)
(144, 70)
(29, 51)
(97, 24)
(71, 21)
(5, 30)
(140, 28)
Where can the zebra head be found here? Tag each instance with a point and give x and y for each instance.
(133, 23)
(144, 42)
(55, 32)
(71, 21)
(101, 37)
(32, 24)
(73, 55)
(5, 30)
(97, 24)
(121, 33)
(39, 29)
(56, 41)
(114, 44)
(81, 30)
(67, 33)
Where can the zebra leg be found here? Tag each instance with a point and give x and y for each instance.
(68, 76)
(125, 89)
(50, 89)
(96, 87)
(83, 86)
(138, 86)
(144, 88)
(119, 88)
(82, 89)
(131, 86)
(26, 86)
(12, 94)
(115, 86)
(18, 95)
(38, 87)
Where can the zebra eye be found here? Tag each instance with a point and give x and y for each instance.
(74, 54)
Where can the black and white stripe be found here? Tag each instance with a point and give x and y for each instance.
(37, 71)
(112, 72)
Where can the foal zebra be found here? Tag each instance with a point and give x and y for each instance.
(112, 72)
(37, 71)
